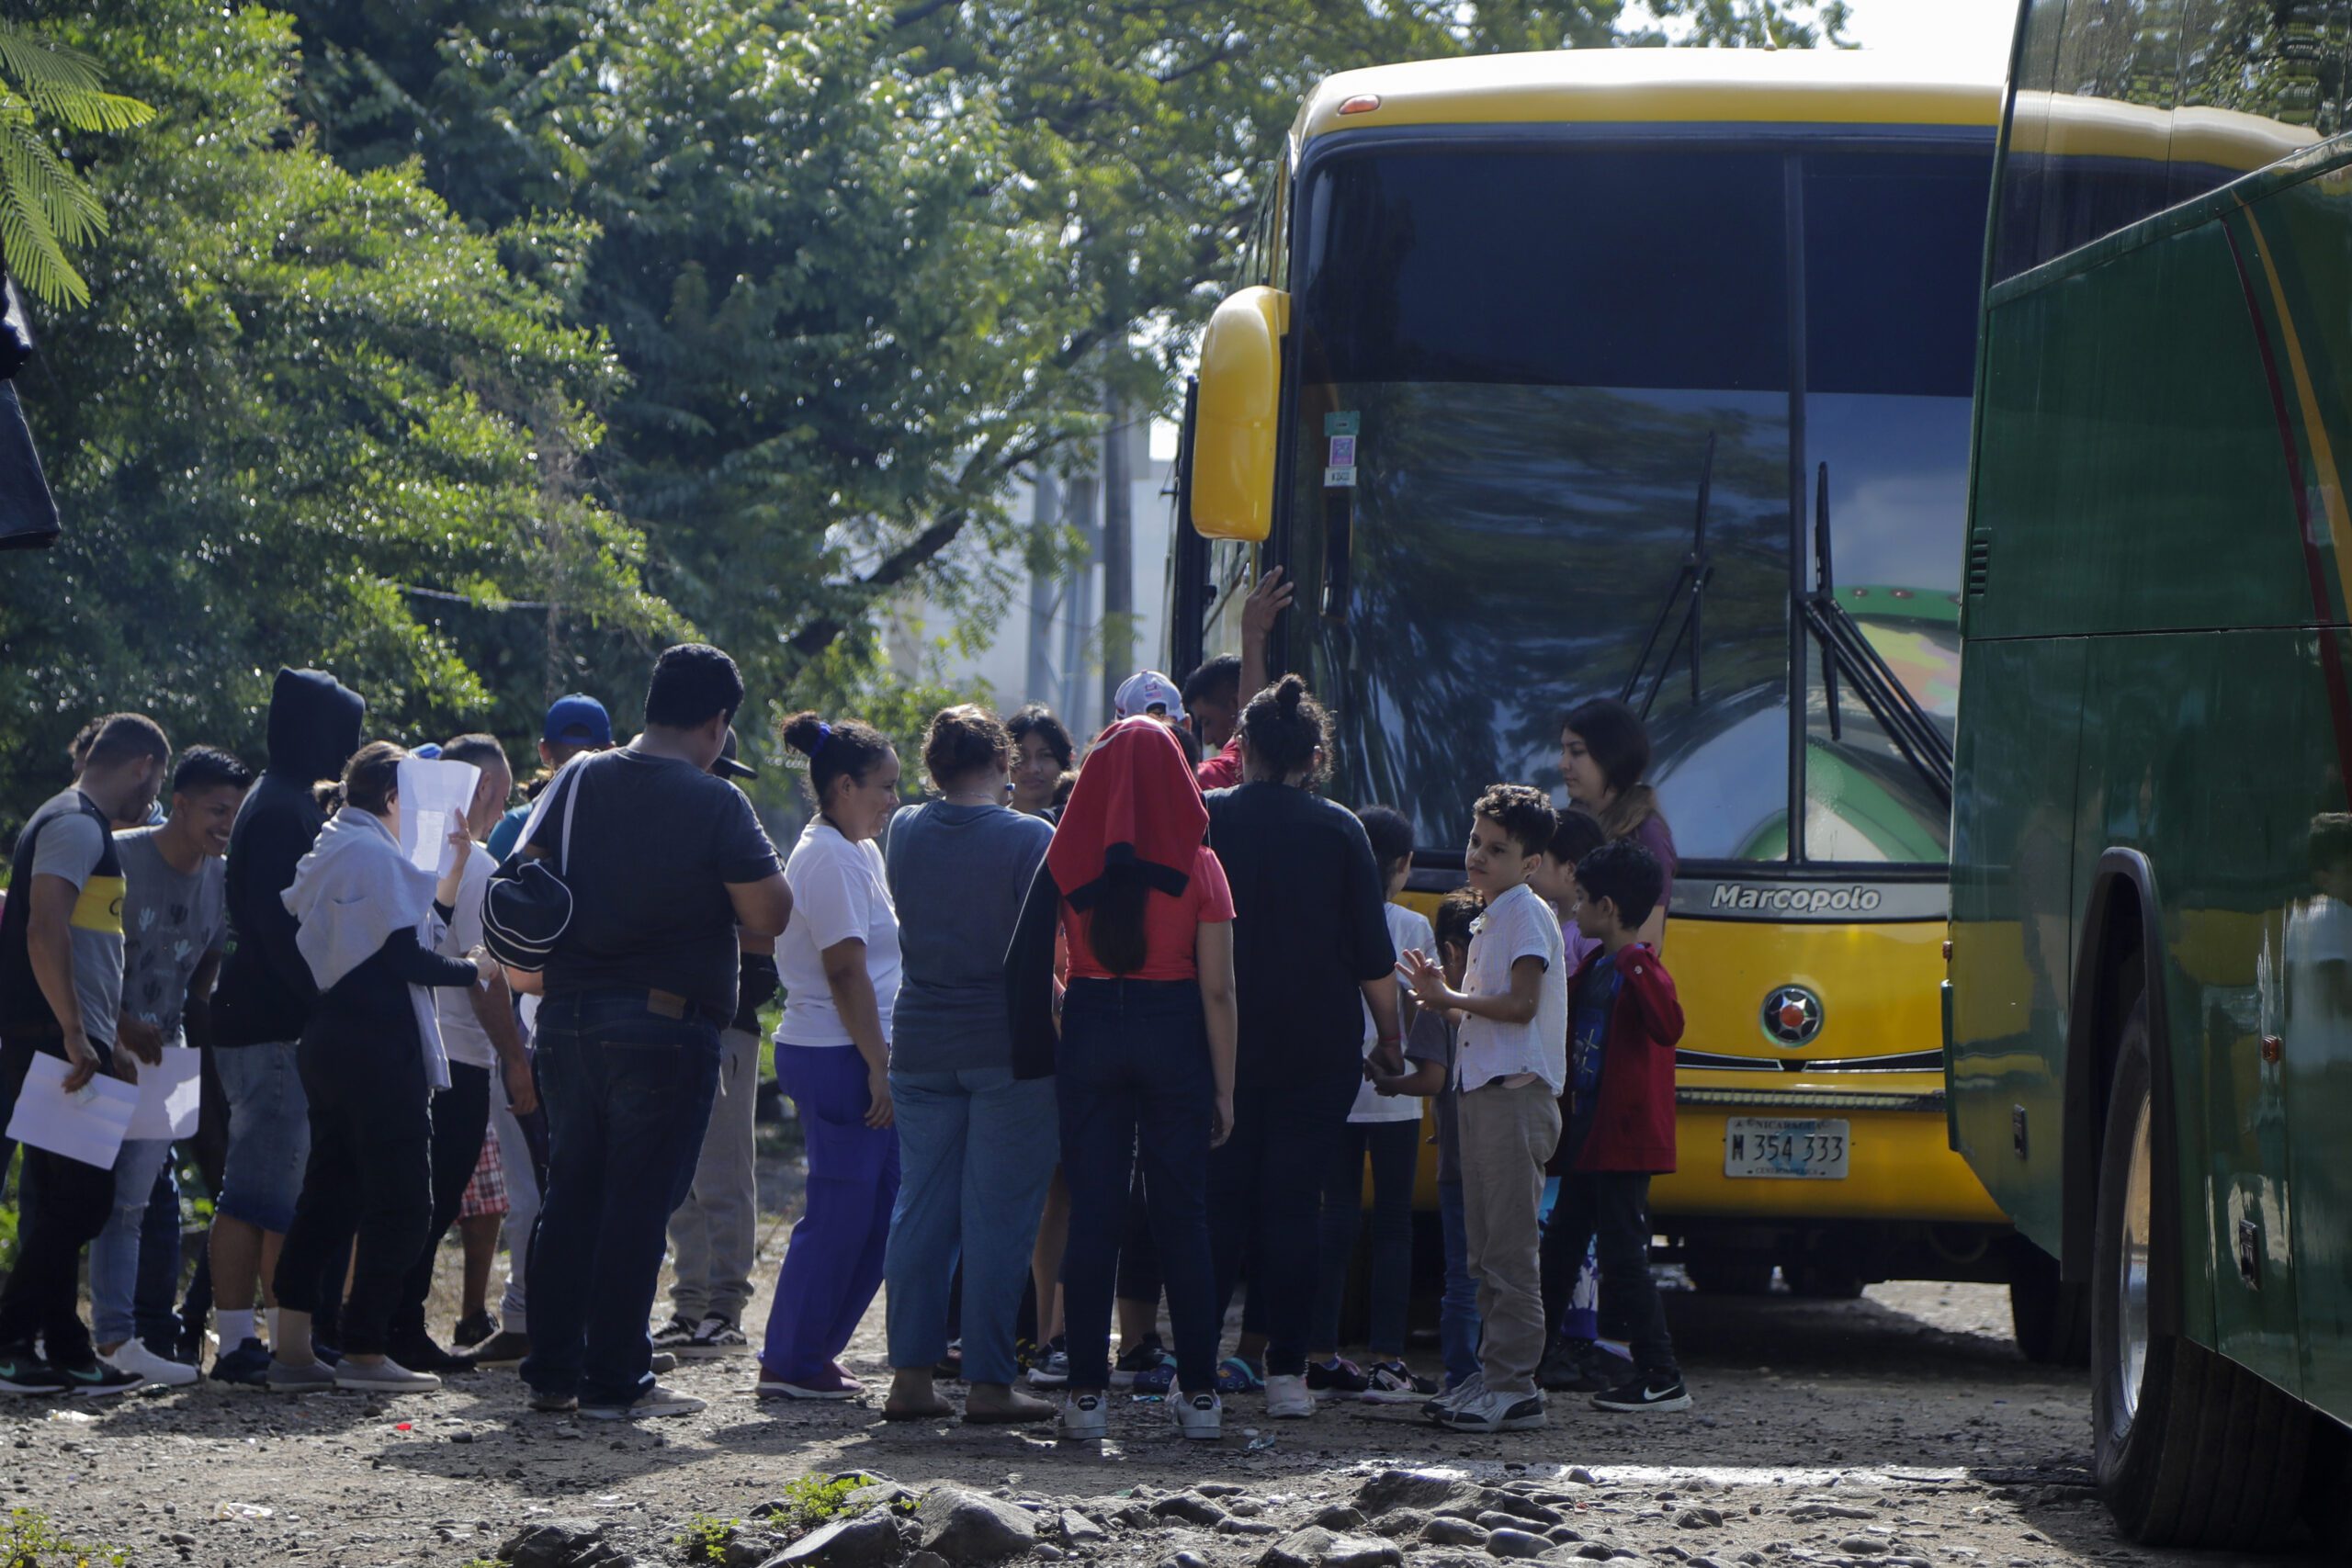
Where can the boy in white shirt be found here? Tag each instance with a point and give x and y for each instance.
(1513, 1064)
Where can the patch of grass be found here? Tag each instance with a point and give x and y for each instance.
(812, 1501)
(29, 1540)
(706, 1539)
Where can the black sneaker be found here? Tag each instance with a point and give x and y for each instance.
(247, 1365)
(22, 1372)
(674, 1333)
(950, 1367)
(98, 1381)
(472, 1329)
(1137, 1361)
(1338, 1378)
(1573, 1366)
(422, 1355)
(1659, 1391)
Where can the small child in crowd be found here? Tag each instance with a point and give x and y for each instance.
(1513, 1066)
(1626, 1020)
(1430, 1049)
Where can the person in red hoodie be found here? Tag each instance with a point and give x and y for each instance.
(1623, 1021)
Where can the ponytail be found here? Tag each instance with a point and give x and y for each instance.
(370, 780)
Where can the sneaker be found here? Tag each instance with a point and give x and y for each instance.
(1468, 1389)
(848, 1379)
(1053, 1371)
(472, 1329)
(247, 1365)
(1146, 1357)
(1085, 1418)
(505, 1348)
(555, 1404)
(148, 1367)
(22, 1372)
(951, 1365)
(1235, 1375)
(1393, 1383)
(826, 1384)
(1335, 1378)
(422, 1355)
(1027, 1353)
(659, 1400)
(1566, 1368)
(1154, 1383)
(673, 1335)
(661, 1363)
(1659, 1391)
(326, 1354)
(1201, 1417)
(387, 1376)
(1287, 1398)
(98, 1381)
(713, 1337)
(1495, 1413)
(286, 1378)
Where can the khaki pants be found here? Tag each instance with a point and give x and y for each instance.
(1507, 1134)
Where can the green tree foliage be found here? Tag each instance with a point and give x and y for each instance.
(45, 208)
(299, 395)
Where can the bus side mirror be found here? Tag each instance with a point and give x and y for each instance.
(1240, 402)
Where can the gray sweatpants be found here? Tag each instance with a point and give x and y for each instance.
(714, 1233)
(1507, 1134)
(522, 1207)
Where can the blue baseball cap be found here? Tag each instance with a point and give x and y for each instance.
(577, 720)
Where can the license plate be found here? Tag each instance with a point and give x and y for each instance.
(1778, 1146)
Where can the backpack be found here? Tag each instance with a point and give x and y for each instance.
(528, 905)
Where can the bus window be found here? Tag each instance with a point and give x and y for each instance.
(1890, 247)
(1532, 347)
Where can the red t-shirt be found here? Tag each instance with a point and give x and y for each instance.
(1222, 771)
(1171, 927)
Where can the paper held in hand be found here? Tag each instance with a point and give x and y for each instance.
(435, 797)
(86, 1125)
(169, 1094)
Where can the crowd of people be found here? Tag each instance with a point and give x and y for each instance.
(1089, 1029)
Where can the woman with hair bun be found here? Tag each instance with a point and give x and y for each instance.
(1311, 951)
(1604, 761)
(977, 1135)
(839, 960)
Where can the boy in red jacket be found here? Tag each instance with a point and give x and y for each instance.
(1623, 1021)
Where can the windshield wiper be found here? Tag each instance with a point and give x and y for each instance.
(1690, 595)
(1845, 650)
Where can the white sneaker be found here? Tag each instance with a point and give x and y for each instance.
(1287, 1398)
(140, 1362)
(1469, 1388)
(659, 1400)
(713, 1337)
(1496, 1413)
(1199, 1417)
(1085, 1417)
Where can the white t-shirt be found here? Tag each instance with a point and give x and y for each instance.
(838, 891)
(462, 1035)
(1407, 928)
(1516, 925)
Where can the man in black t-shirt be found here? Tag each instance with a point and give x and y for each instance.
(665, 861)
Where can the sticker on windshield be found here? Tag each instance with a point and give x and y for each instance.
(1342, 424)
(1343, 452)
(1339, 478)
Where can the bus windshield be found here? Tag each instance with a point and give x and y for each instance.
(1519, 365)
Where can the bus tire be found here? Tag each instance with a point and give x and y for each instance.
(1824, 1282)
(2051, 1319)
(1729, 1276)
(2198, 1451)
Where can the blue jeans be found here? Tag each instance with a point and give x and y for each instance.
(975, 1153)
(628, 1093)
(1457, 1310)
(834, 1264)
(1135, 1087)
(120, 1282)
(1394, 1149)
(269, 1133)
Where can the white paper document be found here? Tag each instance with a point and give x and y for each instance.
(435, 797)
(168, 1096)
(86, 1125)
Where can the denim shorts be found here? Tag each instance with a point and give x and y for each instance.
(269, 1133)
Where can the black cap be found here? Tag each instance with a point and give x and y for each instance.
(728, 767)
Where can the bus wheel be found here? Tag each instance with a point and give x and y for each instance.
(2051, 1318)
(2190, 1449)
(1729, 1276)
(1829, 1279)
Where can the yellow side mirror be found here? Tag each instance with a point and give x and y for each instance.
(1240, 403)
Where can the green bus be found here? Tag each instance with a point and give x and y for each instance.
(2149, 1008)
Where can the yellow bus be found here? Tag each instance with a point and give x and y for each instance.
(1645, 374)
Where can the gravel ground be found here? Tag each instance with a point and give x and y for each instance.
(1902, 1428)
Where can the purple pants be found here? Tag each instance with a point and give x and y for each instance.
(834, 1265)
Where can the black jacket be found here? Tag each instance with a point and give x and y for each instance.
(266, 992)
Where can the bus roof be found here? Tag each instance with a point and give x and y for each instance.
(1656, 85)
(2072, 126)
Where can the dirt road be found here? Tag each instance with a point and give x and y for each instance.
(1902, 1428)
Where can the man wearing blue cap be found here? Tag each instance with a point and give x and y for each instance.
(574, 724)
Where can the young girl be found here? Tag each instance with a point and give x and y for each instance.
(370, 1061)
(1604, 752)
(1386, 1129)
(839, 961)
(1144, 1068)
